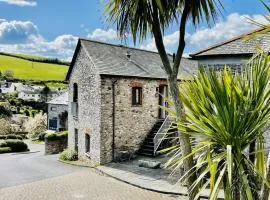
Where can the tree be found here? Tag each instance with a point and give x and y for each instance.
(5, 127)
(141, 17)
(7, 75)
(45, 91)
(35, 125)
(5, 111)
(226, 113)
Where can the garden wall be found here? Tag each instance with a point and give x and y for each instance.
(55, 146)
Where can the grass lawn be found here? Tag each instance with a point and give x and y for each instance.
(27, 70)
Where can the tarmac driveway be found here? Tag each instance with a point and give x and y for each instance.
(33, 176)
(19, 168)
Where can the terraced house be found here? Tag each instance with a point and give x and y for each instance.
(115, 94)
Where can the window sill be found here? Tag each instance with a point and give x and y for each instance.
(87, 154)
(139, 105)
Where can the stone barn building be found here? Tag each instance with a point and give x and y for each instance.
(115, 94)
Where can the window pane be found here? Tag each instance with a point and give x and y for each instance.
(136, 96)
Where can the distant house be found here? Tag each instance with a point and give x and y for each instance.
(35, 93)
(234, 52)
(11, 87)
(58, 113)
(27, 92)
(115, 94)
(5, 87)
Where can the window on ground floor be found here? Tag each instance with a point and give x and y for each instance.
(87, 143)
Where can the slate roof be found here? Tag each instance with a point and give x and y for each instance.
(237, 46)
(112, 60)
(60, 100)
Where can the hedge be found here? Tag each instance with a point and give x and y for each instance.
(69, 155)
(10, 136)
(5, 150)
(15, 145)
(56, 136)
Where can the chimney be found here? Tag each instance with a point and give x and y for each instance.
(128, 55)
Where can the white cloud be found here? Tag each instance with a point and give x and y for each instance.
(17, 31)
(170, 42)
(234, 25)
(24, 37)
(103, 35)
(20, 3)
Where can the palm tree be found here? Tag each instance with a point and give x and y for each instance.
(225, 114)
(142, 17)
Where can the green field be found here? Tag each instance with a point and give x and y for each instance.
(28, 70)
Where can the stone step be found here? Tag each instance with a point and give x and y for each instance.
(148, 145)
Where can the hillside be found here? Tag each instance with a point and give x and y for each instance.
(32, 70)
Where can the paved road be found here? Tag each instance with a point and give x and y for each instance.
(85, 185)
(22, 168)
(34, 176)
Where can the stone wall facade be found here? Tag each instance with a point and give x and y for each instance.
(56, 146)
(86, 77)
(132, 123)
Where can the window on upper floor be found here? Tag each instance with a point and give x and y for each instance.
(136, 96)
(75, 92)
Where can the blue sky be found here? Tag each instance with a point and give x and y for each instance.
(51, 27)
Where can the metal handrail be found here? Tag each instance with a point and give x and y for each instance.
(161, 133)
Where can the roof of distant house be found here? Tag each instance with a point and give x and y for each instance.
(119, 60)
(60, 100)
(241, 45)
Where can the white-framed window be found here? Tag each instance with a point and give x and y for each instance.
(53, 108)
(136, 96)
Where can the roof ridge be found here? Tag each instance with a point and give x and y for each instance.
(226, 42)
(120, 45)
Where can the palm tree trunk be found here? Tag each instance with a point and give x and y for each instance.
(265, 188)
(172, 73)
(184, 139)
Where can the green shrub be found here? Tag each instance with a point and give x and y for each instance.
(10, 136)
(41, 136)
(69, 155)
(56, 136)
(5, 150)
(15, 145)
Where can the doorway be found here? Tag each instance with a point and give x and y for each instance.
(163, 95)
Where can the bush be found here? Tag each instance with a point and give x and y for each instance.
(5, 150)
(5, 111)
(35, 125)
(27, 113)
(10, 136)
(69, 155)
(41, 136)
(15, 145)
(5, 126)
(56, 136)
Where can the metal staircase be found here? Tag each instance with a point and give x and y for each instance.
(155, 137)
